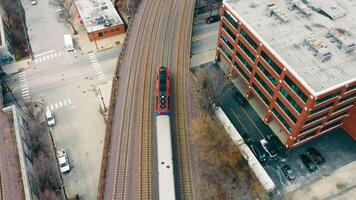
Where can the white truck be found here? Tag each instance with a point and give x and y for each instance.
(68, 43)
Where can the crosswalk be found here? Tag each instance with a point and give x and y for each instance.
(47, 56)
(24, 86)
(96, 65)
(59, 104)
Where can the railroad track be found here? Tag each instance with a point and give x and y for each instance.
(159, 36)
(182, 64)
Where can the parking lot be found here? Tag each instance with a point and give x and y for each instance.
(337, 147)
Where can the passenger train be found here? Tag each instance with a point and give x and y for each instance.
(166, 186)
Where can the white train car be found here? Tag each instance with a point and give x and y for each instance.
(165, 159)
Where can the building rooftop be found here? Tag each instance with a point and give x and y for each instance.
(11, 186)
(314, 38)
(97, 14)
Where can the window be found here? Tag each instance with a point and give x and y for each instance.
(225, 52)
(295, 88)
(316, 119)
(348, 97)
(223, 38)
(310, 128)
(249, 39)
(290, 100)
(322, 108)
(228, 31)
(331, 96)
(247, 78)
(231, 19)
(100, 34)
(259, 79)
(342, 107)
(247, 52)
(271, 63)
(280, 118)
(266, 73)
(351, 88)
(243, 61)
(285, 109)
(260, 94)
(332, 125)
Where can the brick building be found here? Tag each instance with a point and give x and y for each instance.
(296, 60)
(100, 19)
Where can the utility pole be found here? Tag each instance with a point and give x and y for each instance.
(102, 99)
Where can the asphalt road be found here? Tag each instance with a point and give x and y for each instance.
(67, 84)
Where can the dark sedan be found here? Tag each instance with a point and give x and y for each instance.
(315, 154)
(288, 172)
(213, 19)
(308, 163)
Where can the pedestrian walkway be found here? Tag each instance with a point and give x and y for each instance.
(59, 104)
(46, 56)
(24, 86)
(96, 65)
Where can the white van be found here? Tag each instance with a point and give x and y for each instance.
(68, 42)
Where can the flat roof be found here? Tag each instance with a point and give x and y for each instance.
(296, 32)
(97, 14)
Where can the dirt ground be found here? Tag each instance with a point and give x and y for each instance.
(340, 184)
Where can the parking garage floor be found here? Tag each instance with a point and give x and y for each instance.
(337, 147)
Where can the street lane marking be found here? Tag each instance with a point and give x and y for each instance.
(252, 122)
(47, 57)
(238, 120)
(60, 104)
(69, 101)
(51, 56)
(23, 80)
(24, 85)
(59, 53)
(51, 107)
(44, 53)
(56, 105)
(65, 102)
(55, 55)
(40, 59)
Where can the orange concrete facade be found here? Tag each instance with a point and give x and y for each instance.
(105, 33)
(299, 114)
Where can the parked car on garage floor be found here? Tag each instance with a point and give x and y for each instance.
(259, 152)
(268, 147)
(213, 19)
(309, 164)
(288, 172)
(239, 98)
(315, 154)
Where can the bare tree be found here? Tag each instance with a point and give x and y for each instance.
(132, 6)
(64, 12)
(224, 173)
(212, 86)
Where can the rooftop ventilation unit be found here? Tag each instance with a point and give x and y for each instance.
(275, 10)
(321, 50)
(344, 42)
(300, 6)
(333, 11)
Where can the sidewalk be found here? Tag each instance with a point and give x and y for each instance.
(338, 185)
(82, 41)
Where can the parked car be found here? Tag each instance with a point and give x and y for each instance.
(259, 152)
(63, 161)
(315, 154)
(239, 98)
(268, 147)
(213, 19)
(308, 163)
(33, 2)
(288, 172)
(50, 119)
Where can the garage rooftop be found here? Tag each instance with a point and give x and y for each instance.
(315, 38)
(97, 14)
